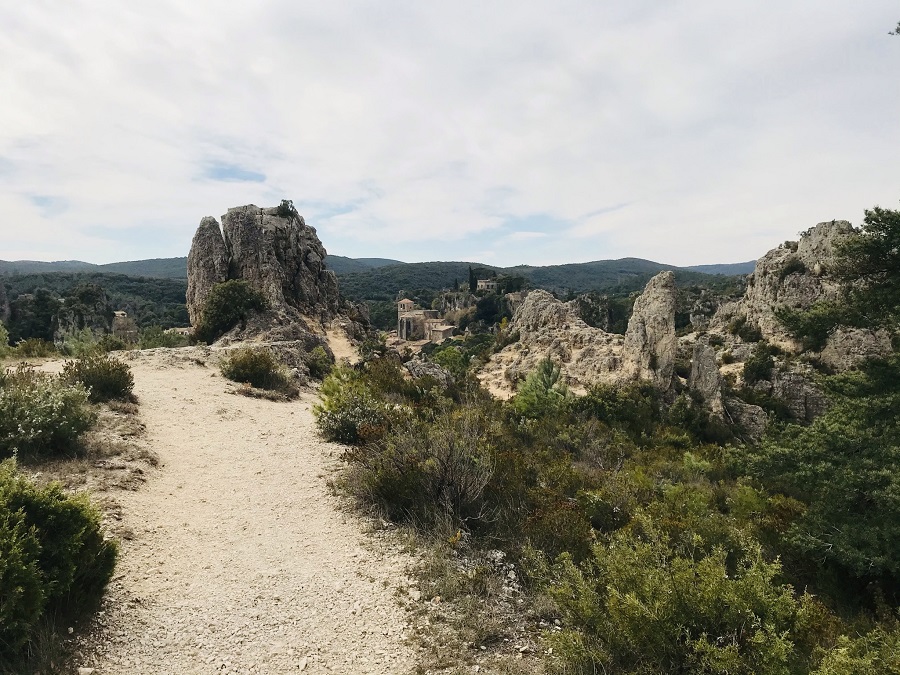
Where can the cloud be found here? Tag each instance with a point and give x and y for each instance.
(688, 132)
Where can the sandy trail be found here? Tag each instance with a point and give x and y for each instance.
(242, 561)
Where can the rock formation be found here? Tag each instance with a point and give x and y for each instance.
(794, 276)
(650, 342)
(280, 256)
(705, 377)
(548, 327)
(86, 307)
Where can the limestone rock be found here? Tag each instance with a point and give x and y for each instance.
(705, 377)
(751, 418)
(650, 342)
(86, 307)
(548, 327)
(794, 275)
(281, 257)
(207, 265)
(418, 368)
(848, 347)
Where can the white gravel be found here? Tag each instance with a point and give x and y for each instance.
(242, 560)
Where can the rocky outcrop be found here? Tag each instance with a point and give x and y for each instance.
(587, 355)
(795, 276)
(550, 328)
(848, 347)
(650, 343)
(85, 307)
(281, 257)
(419, 368)
(705, 377)
(750, 419)
(207, 265)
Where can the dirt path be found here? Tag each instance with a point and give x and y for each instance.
(242, 561)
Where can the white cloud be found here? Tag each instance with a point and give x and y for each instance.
(688, 132)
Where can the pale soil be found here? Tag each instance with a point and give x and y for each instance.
(240, 559)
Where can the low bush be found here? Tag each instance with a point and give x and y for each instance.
(744, 329)
(350, 412)
(4, 341)
(227, 305)
(814, 325)
(793, 265)
(41, 414)
(319, 363)
(80, 343)
(35, 348)
(760, 364)
(54, 560)
(105, 378)
(259, 368)
(153, 337)
(111, 343)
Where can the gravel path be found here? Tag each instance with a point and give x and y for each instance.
(242, 561)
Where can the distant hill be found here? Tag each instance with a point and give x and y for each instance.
(383, 278)
(341, 265)
(729, 269)
(627, 274)
(160, 268)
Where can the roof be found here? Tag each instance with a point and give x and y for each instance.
(405, 300)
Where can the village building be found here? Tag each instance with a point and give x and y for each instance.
(488, 285)
(421, 324)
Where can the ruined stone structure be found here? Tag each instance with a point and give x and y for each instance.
(487, 285)
(421, 324)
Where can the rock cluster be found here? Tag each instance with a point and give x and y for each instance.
(280, 256)
(548, 327)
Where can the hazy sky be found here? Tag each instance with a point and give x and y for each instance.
(685, 131)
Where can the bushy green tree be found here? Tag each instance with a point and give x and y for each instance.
(227, 305)
(543, 391)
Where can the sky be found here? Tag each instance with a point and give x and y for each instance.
(529, 132)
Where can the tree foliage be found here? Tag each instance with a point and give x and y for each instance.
(228, 304)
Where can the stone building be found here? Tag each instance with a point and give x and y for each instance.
(489, 285)
(421, 324)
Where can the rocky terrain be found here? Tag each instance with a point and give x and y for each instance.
(796, 275)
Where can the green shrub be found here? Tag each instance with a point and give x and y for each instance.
(427, 471)
(111, 343)
(35, 348)
(760, 364)
(4, 341)
(80, 343)
(350, 412)
(227, 305)
(814, 325)
(153, 337)
(40, 414)
(543, 392)
(105, 378)
(256, 366)
(54, 560)
(793, 265)
(319, 363)
(743, 329)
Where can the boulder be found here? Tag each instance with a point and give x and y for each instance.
(848, 347)
(751, 419)
(705, 377)
(419, 368)
(650, 342)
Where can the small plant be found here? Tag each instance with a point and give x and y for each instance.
(111, 343)
(744, 329)
(286, 209)
(319, 363)
(40, 414)
(760, 364)
(104, 378)
(153, 337)
(257, 367)
(227, 305)
(349, 412)
(80, 343)
(35, 348)
(4, 341)
(793, 265)
(54, 560)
